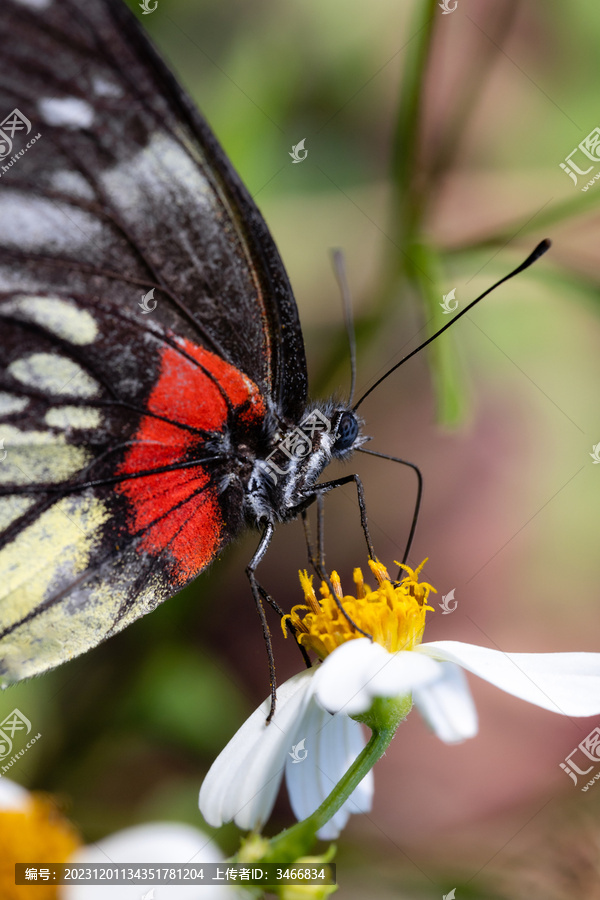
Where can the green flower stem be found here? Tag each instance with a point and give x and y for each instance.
(416, 265)
(406, 192)
(410, 266)
(425, 275)
(383, 718)
(408, 199)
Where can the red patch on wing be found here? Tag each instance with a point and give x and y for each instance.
(180, 509)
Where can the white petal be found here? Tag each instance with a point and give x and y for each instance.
(332, 743)
(403, 673)
(242, 783)
(447, 705)
(343, 678)
(302, 776)
(566, 683)
(359, 670)
(158, 842)
(13, 796)
(351, 743)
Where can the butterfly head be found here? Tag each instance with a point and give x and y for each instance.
(346, 428)
(284, 479)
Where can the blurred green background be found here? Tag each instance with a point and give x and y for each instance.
(434, 144)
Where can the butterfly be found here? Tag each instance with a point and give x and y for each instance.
(153, 386)
(153, 383)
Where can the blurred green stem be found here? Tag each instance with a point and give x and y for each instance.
(418, 267)
(410, 266)
(407, 192)
(425, 277)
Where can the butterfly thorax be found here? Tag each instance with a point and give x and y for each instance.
(283, 481)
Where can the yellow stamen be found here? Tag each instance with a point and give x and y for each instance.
(393, 614)
(311, 597)
(39, 834)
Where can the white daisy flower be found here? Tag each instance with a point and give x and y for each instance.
(313, 747)
(313, 708)
(155, 842)
(32, 830)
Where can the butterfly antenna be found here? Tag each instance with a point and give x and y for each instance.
(339, 265)
(539, 251)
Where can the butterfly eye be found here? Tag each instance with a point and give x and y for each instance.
(347, 432)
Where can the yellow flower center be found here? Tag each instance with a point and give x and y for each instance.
(39, 834)
(393, 614)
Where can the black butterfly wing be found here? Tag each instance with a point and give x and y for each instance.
(128, 180)
(112, 186)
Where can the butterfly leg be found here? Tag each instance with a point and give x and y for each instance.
(258, 594)
(317, 560)
(274, 605)
(319, 564)
(419, 497)
(339, 482)
(321, 532)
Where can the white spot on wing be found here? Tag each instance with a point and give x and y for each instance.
(72, 183)
(62, 317)
(105, 88)
(66, 112)
(39, 457)
(53, 374)
(149, 186)
(159, 176)
(68, 417)
(12, 507)
(33, 223)
(35, 4)
(11, 404)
